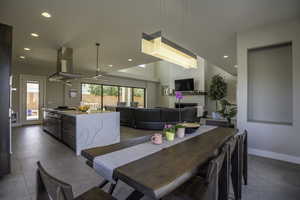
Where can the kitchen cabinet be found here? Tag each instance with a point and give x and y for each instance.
(69, 131)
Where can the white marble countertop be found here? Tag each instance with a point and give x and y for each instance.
(74, 113)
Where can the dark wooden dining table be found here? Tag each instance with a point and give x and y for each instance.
(160, 173)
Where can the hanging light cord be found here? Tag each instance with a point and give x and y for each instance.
(98, 69)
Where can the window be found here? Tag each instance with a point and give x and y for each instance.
(97, 95)
(32, 103)
(91, 94)
(110, 95)
(139, 97)
(126, 95)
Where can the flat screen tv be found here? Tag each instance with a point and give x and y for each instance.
(184, 85)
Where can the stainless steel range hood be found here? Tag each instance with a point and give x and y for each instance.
(65, 66)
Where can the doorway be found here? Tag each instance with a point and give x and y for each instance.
(32, 98)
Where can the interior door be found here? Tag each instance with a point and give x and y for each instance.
(32, 90)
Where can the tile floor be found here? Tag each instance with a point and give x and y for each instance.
(268, 179)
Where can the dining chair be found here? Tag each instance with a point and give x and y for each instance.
(134, 104)
(199, 188)
(234, 160)
(50, 188)
(244, 155)
(122, 103)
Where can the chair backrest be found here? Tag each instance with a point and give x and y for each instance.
(217, 173)
(50, 188)
(134, 104)
(121, 103)
(232, 144)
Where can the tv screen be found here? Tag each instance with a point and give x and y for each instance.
(184, 85)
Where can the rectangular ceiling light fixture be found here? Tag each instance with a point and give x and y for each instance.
(160, 47)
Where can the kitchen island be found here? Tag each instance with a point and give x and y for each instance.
(82, 130)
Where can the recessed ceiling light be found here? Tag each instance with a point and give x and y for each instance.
(22, 57)
(110, 65)
(142, 65)
(236, 66)
(46, 14)
(27, 49)
(225, 56)
(130, 60)
(34, 34)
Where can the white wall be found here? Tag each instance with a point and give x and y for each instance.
(147, 73)
(168, 73)
(231, 80)
(273, 140)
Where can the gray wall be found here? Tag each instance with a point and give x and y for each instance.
(271, 140)
(270, 84)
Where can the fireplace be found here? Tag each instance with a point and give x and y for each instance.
(183, 105)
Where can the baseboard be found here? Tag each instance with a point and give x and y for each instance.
(273, 155)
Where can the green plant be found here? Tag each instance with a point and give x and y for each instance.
(217, 89)
(228, 110)
(179, 126)
(170, 128)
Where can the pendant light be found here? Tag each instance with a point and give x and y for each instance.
(158, 46)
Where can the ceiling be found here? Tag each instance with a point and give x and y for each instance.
(207, 27)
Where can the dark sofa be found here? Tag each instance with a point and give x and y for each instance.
(154, 118)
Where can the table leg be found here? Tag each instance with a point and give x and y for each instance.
(135, 195)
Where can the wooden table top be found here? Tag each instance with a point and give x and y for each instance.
(162, 172)
(91, 153)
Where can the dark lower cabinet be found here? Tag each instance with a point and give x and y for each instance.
(69, 131)
(5, 69)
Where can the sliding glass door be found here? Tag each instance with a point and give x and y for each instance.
(97, 96)
(91, 95)
(125, 95)
(139, 97)
(110, 95)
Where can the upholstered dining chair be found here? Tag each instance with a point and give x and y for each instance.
(244, 153)
(50, 188)
(122, 103)
(134, 104)
(199, 188)
(234, 169)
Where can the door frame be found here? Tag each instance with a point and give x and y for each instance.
(22, 103)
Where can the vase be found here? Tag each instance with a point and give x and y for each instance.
(180, 132)
(170, 136)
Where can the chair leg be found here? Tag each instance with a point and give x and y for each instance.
(245, 161)
(235, 173)
(103, 183)
(224, 179)
(112, 188)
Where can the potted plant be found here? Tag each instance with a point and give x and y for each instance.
(169, 130)
(217, 91)
(228, 110)
(180, 130)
